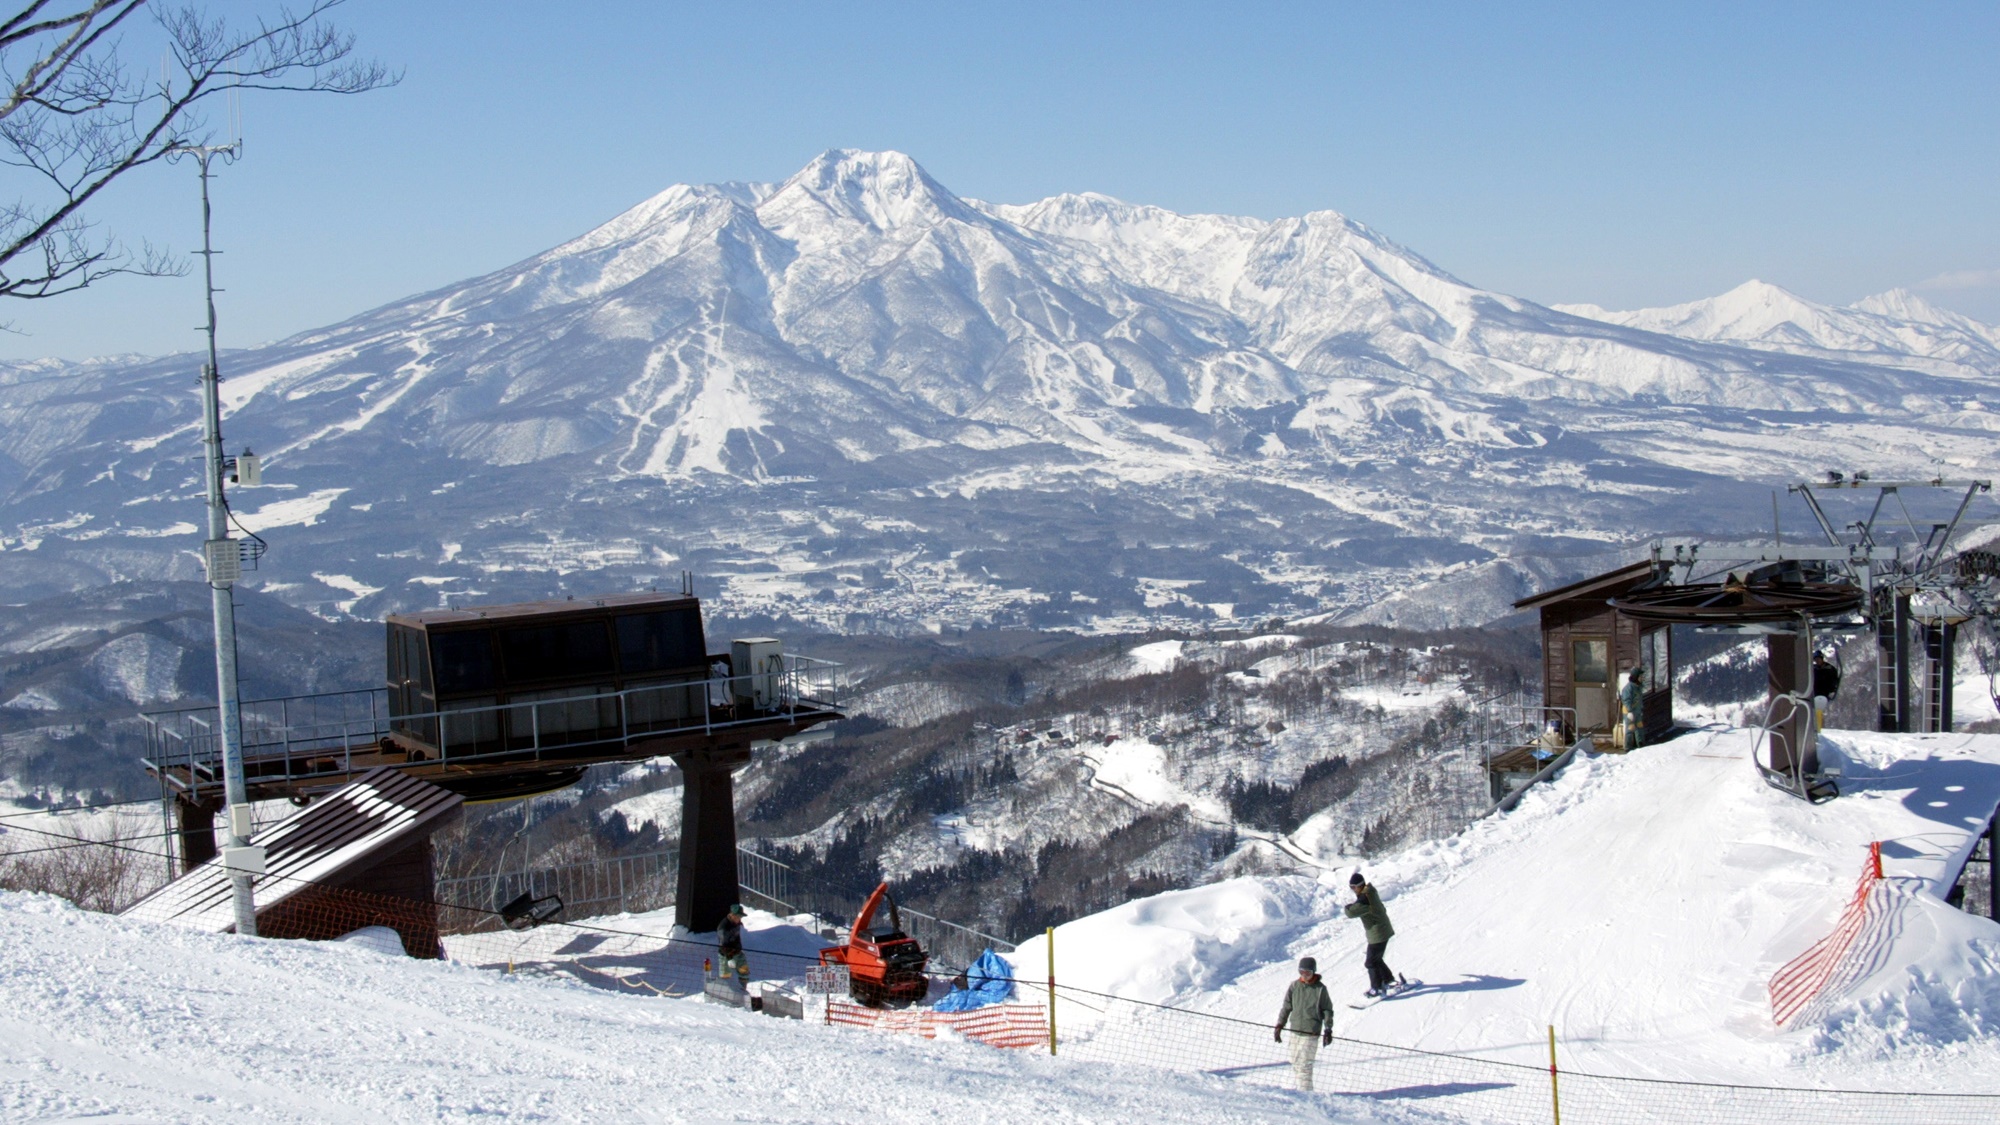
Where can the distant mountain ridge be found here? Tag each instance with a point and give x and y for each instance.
(856, 400)
(1898, 325)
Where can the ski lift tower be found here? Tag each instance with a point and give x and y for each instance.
(224, 557)
(1923, 594)
(1867, 577)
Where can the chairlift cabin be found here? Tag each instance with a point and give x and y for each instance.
(490, 702)
(542, 676)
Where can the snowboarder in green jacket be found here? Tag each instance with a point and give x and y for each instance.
(1367, 906)
(1308, 1014)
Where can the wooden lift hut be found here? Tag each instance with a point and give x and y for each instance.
(1586, 646)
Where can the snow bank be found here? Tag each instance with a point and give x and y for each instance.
(1924, 976)
(1170, 946)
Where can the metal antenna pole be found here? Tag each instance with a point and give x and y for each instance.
(224, 558)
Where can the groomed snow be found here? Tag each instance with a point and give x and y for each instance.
(108, 1019)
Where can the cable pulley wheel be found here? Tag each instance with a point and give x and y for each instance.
(1727, 603)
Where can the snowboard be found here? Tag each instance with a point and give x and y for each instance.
(1402, 985)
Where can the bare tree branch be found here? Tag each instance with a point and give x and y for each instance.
(76, 118)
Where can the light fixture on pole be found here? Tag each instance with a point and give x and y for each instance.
(224, 557)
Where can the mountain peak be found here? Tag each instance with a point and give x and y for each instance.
(882, 189)
(1759, 294)
(1901, 304)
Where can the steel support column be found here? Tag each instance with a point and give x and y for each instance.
(707, 884)
(195, 828)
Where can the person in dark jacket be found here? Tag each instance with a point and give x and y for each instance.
(1367, 906)
(1308, 1014)
(1825, 677)
(730, 946)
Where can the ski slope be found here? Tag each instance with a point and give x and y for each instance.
(1637, 903)
(106, 1019)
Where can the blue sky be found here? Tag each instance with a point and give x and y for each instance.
(1624, 154)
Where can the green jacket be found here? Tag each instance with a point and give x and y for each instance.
(1632, 697)
(1308, 1009)
(1374, 916)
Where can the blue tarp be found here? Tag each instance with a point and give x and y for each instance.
(988, 981)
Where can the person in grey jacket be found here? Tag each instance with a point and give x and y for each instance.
(1308, 1014)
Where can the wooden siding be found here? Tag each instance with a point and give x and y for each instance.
(1588, 615)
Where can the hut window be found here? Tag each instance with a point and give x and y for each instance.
(1590, 662)
(463, 660)
(1654, 653)
(649, 642)
(555, 652)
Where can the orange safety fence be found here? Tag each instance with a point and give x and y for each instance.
(1799, 983)
(1008, 1024)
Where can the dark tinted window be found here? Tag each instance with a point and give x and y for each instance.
(555, 652)
(463, 660)
(649, 642)
(396, 672)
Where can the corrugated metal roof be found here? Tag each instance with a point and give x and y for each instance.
(375, 815)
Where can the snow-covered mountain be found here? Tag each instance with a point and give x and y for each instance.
(854, 399)
(1897, 325)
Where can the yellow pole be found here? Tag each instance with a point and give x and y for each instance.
(1555, 1095)
(1050, 934)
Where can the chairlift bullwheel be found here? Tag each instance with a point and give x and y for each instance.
(1738, 603)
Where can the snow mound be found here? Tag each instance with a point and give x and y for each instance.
(1163, 948)
(1929, 977)
(375, 939)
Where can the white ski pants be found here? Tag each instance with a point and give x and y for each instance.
(1305, 1049)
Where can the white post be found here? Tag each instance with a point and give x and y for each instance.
(224, 558)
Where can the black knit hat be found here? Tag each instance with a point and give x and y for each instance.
(1355, 879)
(1308, 965)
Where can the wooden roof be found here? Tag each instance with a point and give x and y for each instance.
(537, 609)
(1609, 582)
(376, 815)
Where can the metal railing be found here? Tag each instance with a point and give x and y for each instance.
(301, 737)
(635, 883)
(590, 888)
